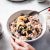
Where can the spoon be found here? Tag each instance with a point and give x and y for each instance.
(35, 12)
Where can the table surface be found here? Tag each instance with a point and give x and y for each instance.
(8, 8)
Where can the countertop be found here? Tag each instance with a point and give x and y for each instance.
(7, 8)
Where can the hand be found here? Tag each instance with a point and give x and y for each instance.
(20, 45)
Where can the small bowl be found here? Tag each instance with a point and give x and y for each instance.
(41, 18)
(17, 0)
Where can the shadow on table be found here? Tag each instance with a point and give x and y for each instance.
(46, 3)
(22, 2)
(43, 43)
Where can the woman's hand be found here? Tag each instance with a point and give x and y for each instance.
(20, 45)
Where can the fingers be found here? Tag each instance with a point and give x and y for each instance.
(11, 44)
(19, 42)
(13, 38)
(31, 48)
(15, 34)
(21, 45)
(25, 45)
(15, 45)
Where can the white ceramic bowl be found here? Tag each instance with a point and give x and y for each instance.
(17, 0)
(41, 18)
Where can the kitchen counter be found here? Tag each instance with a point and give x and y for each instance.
(7, 8)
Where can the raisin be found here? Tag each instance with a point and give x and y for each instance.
(29, 38)
(15, 25)
(18, 31)
(23, 34)
(10, 24)
(37, 30)
(29, 31)
(21, 28)
(26, 21)
(25, 27)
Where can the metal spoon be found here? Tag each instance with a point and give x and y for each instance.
(32, 13)
(35, 12)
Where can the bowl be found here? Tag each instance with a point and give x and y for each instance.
(18, 0)
(41, 18)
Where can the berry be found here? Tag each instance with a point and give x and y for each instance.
(48, 9)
